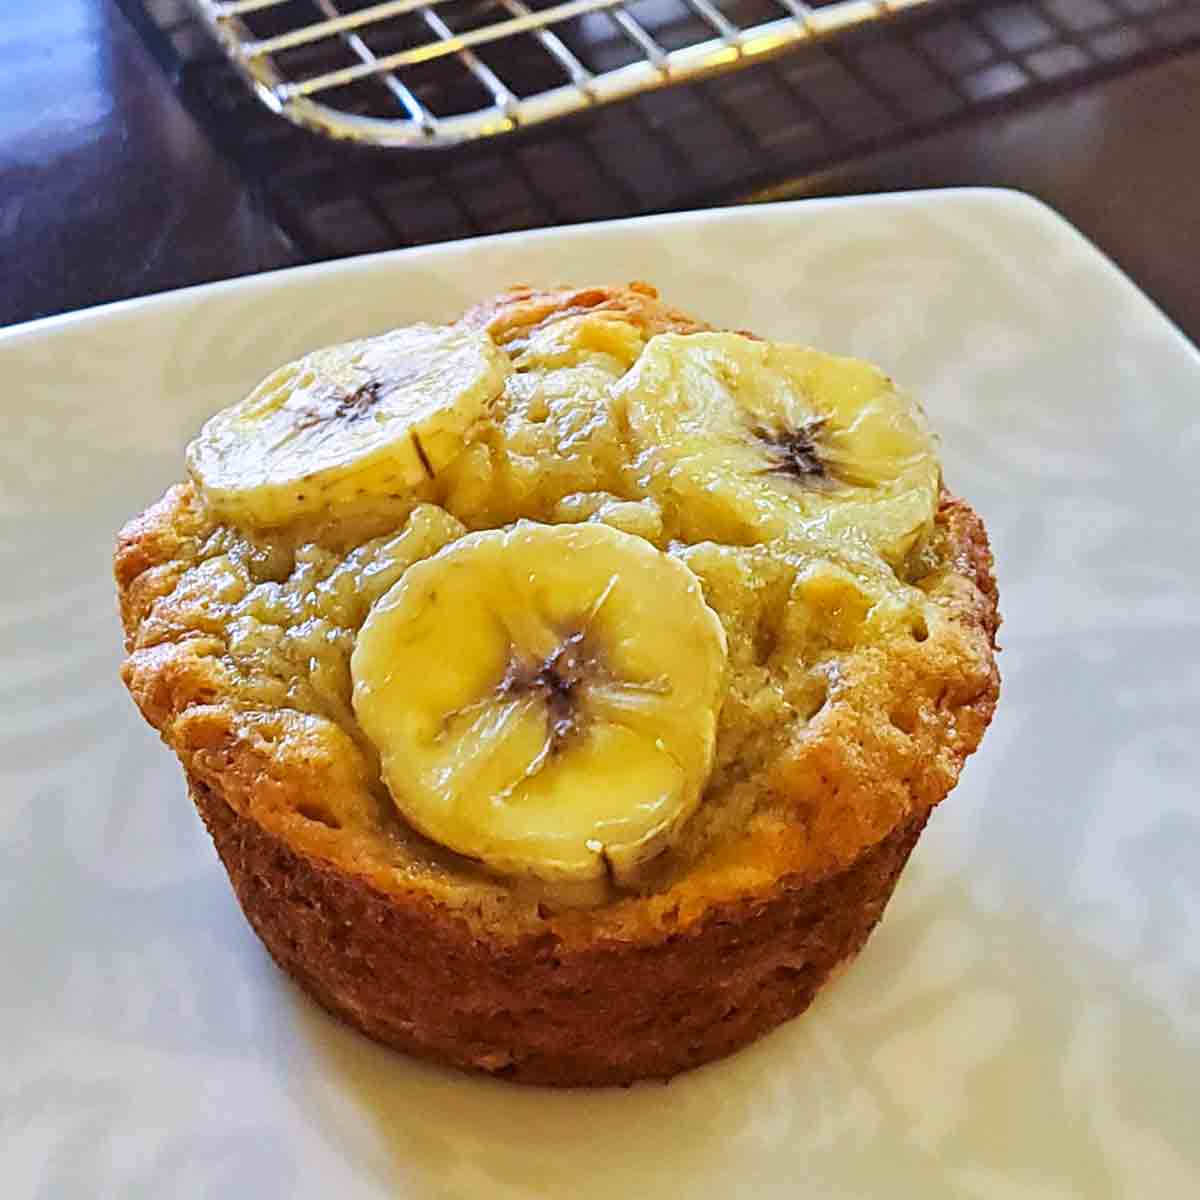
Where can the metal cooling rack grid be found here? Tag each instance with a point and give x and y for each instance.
(439, 72)
(710, 142)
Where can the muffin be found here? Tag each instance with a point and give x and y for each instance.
(564, 689)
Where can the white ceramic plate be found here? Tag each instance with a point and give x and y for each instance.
(1026, 1020)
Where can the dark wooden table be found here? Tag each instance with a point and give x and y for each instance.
(109, 189)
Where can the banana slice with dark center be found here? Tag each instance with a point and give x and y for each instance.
(747, 441)
(368, 418)
(544, 699)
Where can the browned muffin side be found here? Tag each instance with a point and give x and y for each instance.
(841, 730)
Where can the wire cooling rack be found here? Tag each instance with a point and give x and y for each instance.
(718, 140)
(439, 72)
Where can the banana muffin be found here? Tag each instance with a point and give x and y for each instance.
(565, 688)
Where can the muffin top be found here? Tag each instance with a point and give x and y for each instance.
(575, 611)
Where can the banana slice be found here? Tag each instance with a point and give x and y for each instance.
(544, 698)
(747, 441)
(368, 418)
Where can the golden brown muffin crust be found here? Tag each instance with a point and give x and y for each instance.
(514, 315)
(543, 1010)
(797, 857)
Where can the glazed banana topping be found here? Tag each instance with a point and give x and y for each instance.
(749, 441)
(545, 698)
(371, 417)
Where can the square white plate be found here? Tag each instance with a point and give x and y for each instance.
(1026, 1020)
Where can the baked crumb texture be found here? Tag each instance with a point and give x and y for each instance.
(855, 694)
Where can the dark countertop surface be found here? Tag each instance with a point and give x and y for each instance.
(109, 188)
